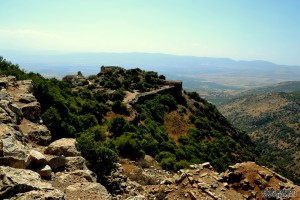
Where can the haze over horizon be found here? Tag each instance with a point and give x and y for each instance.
(240, 30)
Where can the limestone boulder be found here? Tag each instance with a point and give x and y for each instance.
(4, 105)
(87, 174)
(40, 195)
(45, 171)
(16, 109)
(64, 146)
(25, 86)
(27, 98)
(76, 163)
(138, 197)
(57, 162)
(32, 111)
(4, 117)
(38, 134)
(4, 95)
(14, 181)
(37, 158)
(3, 83)
(13, 152)
(87, 191)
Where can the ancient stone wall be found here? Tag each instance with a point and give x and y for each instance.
(105, 69)
(172, 90)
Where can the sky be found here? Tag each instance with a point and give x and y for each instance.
(238, 29)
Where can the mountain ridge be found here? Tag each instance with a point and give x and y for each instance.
(270, 115)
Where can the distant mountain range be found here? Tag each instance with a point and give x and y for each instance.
(196, 72)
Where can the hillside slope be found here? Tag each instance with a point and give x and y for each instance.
(37, 168)
(272, 122)
(123, 114)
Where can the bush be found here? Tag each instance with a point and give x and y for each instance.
(162, 77)
(101, 159)
(183, 164)
(168, 163)
(164, 154)
(120, 108)
(129, 147)
(118, 125)
(194, 95)
(118, 95)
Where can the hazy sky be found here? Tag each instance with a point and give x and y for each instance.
(238, 29)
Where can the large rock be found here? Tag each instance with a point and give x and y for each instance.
(14, 181)
(76, 163)
(3, 83)
(32, 111)
(12, 151)
(87, 174)
(37, 159)
(87, 191)
(38, 134)
(40, 195)
(25, 86)
(57, 162)
(16, 109)
(4, 95)
(64, 146)
(4, 117)
(45, 171)
(138, 197)
(27, 98)
(4, 104)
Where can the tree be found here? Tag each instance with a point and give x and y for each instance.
(117, 126)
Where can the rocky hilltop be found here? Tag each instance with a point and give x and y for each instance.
(33, 166)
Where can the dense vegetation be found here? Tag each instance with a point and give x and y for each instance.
(82, 112)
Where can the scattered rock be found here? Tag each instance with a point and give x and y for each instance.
(138, 197)
(37, 158)
(166, 182)
(181, 178)
(57, 162)
(45, 171)
(206, 165)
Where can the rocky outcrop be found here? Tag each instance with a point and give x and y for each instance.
(19, 183)
(29, 168)
(241, 181)
(12, 149)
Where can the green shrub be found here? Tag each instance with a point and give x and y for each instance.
(194, 95)
(101, 159)
(129, 147)
(120, 108)
(183, 164)
(118, 95)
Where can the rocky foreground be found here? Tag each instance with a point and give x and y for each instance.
(32, 166)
